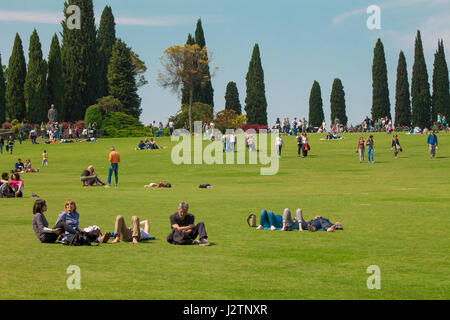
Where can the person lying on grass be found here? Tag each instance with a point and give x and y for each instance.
(40, 224)
(184, 231)
(89, 178)
(286, 223)
(134, 233)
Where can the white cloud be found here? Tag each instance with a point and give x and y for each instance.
(392, 4)
(56, 18)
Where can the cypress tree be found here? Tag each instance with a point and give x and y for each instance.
(185, 91)
(105, 41)
(55, 81)
(255, 101)
(232, 98)
(17, 72)
(36, 92)
(381, 107)
(122, 81)
(441, 93)
(203, 93)
(337, 102)
(420, 88)
(2, 94)
(316, 115)
(402, 97)
(79, 57)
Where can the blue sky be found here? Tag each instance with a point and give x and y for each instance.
(300, 41)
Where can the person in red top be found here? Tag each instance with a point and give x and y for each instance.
(114, 159)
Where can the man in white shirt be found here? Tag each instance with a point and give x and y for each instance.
(279, 144)
(171, 127)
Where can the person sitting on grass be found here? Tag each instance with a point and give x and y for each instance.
(16, 185)
(134, 233)
(184, 231)
(5, 189)
(19, 166)
(40, 224)
(28, 167)
(141, 145)
(153, 145)
(89, 178)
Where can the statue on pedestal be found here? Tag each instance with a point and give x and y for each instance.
(52, 114)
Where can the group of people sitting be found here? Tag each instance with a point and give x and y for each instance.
(11, 188)
(147, 145)
(269, 220)
(184, 231)
(21, 167)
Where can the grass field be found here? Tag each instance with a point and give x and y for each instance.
(395, 212)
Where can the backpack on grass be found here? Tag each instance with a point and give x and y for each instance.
(251, 221)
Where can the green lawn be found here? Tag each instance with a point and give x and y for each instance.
(395, 215)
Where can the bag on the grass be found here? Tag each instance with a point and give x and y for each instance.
(80, 239)
(251, 220)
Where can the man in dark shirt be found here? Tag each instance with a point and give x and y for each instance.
(19, 166)
(184, 231)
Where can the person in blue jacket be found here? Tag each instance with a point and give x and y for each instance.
(432, 142)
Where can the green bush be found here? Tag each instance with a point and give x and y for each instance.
(93, 114)
(118, 124)
(15, 122)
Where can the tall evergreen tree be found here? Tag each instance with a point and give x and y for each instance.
(316, 115)
(2, 94)
(122, 80)
(232, 98)
(203, 93)
(36, 92)
(441, 93)
(381, 107)
(106, 38)
(79, 57)
(185, 91)
(337, 103)
(17, 72)
(255, 101)
(420, 88)
(402, 97)
(55, 81)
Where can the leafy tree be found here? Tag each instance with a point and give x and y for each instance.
(203, 92)
(420, 88)
(316, 115)
(441, 93)
(139, 69)
(184, 66)
(122, 80)
(255, 101)
(36, 92)
(17, 71)
(109, 104)
(55, 81)
(232, 98)
(92, 115)
(381, 107)
(2, 94)
(106, 37)
(200, 112)
(118, 124)
(337, 103)
(402, 97)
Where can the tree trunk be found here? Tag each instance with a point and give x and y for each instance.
(191, 92)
